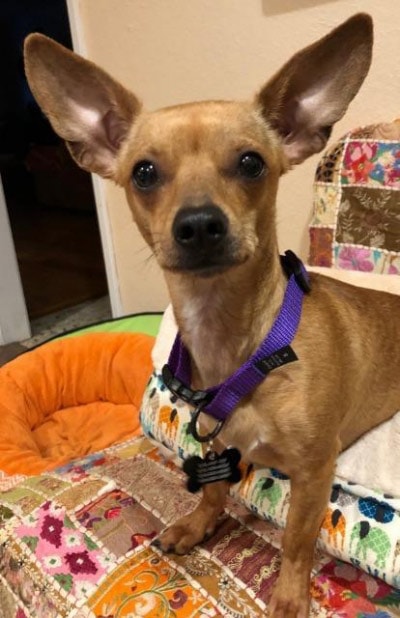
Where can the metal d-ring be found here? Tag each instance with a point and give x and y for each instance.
(193, 427)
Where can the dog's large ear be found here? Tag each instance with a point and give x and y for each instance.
(312, 91)
(85, 106)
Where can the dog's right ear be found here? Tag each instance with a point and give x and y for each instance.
(85, 106)
(313, 90)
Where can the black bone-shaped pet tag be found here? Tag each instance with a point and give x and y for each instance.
(212, 468)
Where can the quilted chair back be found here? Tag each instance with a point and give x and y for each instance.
(356, 204)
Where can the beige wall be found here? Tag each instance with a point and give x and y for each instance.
(169, 51)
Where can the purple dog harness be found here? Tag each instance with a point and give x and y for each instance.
(220, 401)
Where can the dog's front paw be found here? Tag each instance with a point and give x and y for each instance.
(182, 536)
(289, 601)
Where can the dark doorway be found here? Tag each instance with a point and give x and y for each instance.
(49, 199)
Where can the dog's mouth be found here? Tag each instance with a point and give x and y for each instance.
(205, 265)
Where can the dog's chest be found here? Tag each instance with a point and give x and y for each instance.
(266, 427)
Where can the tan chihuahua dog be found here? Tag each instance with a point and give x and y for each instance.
(201, 181)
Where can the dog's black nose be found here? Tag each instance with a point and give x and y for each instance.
(200, 228)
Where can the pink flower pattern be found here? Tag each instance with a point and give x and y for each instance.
(48, 529)
(371, 162)
(353, 258)
(51, 530)
(349, 593)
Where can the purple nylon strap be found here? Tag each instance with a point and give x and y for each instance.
(223, 398)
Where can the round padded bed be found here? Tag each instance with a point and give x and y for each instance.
(75, 395)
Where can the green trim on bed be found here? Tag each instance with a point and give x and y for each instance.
(148, 323)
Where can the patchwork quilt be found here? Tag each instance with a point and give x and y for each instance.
(75, 543)
(356, 210)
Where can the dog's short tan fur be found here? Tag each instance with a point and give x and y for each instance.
(345, 381)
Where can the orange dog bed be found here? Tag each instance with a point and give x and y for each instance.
(71, 397)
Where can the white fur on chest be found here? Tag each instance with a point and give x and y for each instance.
(210, 345)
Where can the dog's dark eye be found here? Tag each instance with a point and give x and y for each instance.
(145, 175)
(251, 165)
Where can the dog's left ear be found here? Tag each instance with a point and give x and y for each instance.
(85, 106)
(313, 90)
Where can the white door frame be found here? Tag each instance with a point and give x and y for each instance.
(14, 321)
(79, 45)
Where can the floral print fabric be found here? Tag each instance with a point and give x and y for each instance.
(356, 206)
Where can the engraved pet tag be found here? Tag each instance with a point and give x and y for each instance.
(212, 468)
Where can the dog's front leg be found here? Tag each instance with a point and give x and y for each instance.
(310, 491)
(191, 529)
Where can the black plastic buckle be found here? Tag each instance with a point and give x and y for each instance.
(293, 266)
(178, 388)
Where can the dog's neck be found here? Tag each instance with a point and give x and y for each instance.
(223, 319)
